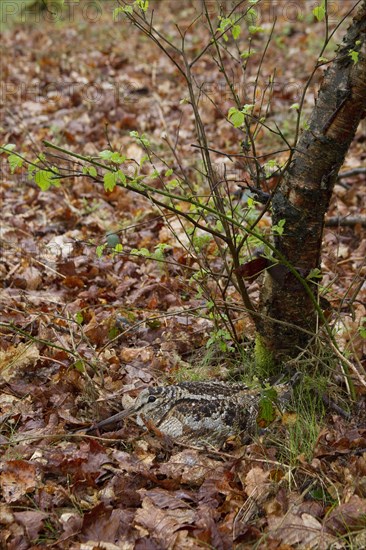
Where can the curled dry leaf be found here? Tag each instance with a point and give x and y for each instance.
(166, 526)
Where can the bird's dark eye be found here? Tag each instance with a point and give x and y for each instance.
(151, 399)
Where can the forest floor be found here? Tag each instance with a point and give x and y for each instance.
(85, 322)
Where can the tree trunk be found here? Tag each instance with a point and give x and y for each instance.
(302, 198)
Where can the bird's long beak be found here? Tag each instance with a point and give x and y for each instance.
(112, 419)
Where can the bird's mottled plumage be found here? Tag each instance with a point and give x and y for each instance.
(199, 413)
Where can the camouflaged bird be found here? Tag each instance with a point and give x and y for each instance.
(200, 413)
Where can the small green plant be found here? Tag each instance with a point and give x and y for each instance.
(222, 339)
(362, 327)
(187, 373)
(302, 436)
(355, 53)
(303, 427)
(230, 23)
(279, 228)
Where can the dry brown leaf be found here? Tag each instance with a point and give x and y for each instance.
(101, 545)
(167, 499)
(17, 479)
(257, 484)
(30, 278)
(164, 524)
(304, 531)
(32, 521)
(350, 516)
(106, 525)
(17, 358)
(191, 467)
(143, 354)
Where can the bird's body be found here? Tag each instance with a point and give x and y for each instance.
(198, 413)
(204, 413)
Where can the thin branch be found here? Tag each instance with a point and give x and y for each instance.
(346, 221)
(351, 173)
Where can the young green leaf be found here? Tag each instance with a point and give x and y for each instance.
(142, 4)
(79, 366)
(279, 229)
(253, 29)
(110, 181)
(43, 178)
(319, 11)
(120, 177)
(314, 274)
(15, 162)
(354, 55)
(124, 9)
(8, 147)
(106, 154)
(100, 249)
(235, 31)
(172, 184)
(236, 117)
(79, 318)
(362, 328)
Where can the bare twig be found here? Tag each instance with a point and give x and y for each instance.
(346, 221)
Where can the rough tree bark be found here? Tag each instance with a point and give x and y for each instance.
(302, 198)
